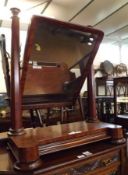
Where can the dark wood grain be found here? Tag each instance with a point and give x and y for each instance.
(16, 120)
(39, 141)
(64, 161)
(92, 116)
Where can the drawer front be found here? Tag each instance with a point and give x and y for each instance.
(91, 167)
(113, 171)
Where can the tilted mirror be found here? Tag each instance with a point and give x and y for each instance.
(57, 58)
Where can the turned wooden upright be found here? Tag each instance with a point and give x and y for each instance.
(92, 116)
(15, 97)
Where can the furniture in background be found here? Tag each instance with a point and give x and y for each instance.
(104, 108)
(104, 86)
(111, 90)
(121, 100)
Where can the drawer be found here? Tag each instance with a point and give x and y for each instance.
(107, 163)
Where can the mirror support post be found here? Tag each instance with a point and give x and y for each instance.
(15, 97)
(92, 116)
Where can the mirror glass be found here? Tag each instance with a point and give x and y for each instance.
(57, 57)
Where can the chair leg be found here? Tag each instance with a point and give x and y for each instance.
(62, 114)
(47, 116)
(81, 108)
(33, 118)
(39, 116)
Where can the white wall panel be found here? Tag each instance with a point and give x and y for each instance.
(98, 10)
(65, 9)
(115, 22)
(24, 4)
(119, 35)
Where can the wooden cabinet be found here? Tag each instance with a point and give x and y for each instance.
(93, 152)
(106, 160)
(109, 163)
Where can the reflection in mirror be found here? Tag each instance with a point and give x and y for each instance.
(56, 59)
